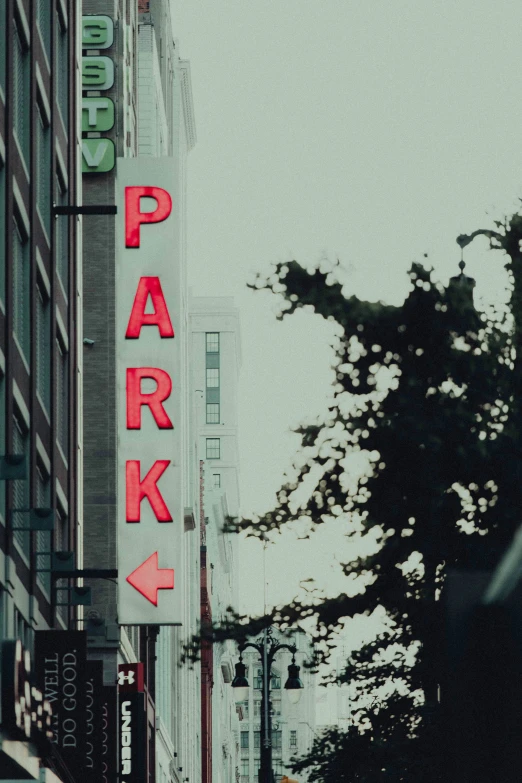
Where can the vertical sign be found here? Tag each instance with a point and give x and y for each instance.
(60, 670)
(98, 155)
(133, 738)
(149, 334)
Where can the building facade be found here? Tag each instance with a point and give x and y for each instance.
(40, 344)
(153, 118)
(215, 364)
(119, 697)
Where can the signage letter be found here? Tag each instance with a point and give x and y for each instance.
(97, 73)
(134, 217)
(136, 490)
(136, 398)
(97, 32)
(149, 286)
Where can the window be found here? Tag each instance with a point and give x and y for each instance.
(244, 739)
(2, 227)
(21, 92)
(276, 707)
(43, 537)
(62, 70)
(2, 443)
(21, 497)
(277, 766)
(61, 544)
(212, 340)
(216, 480)
(43, 170)
(257, 740)
(62, 398)
(257, 707)
(276, 740)
(213, 448)
(61, 533)
(293, 739)
(2, 46)
(245, 767)
(212, 378)
(212, 412)
(244, 707)
(21, 303)
(61, 235)
(258, 680)
(43, 347)
(43, 17)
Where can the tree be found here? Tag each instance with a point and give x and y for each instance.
(437, 414)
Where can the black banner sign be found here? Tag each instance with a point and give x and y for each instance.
(93, 715)
(109, 734)
(100, 756)
(60, 668)
(132, 727)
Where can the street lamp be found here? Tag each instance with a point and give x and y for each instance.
(267, 648)
(240, 682)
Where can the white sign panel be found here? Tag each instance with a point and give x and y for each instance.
(148, 367)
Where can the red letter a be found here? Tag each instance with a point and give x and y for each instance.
(155, 399)
(136, 490)
(149, 286)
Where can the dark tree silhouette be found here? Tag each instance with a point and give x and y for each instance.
(438, 398)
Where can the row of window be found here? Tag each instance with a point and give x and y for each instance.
(21, 329)
(21, 500)
(276, 709)
(212, 379)
(277, 740)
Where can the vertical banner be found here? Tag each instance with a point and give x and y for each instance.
(149, 340)
(93, 732)
(101, 739)
(133, 738)
(109, 747)
(60, 662)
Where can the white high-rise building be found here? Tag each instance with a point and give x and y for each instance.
(215, 362)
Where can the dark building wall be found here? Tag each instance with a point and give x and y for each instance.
(99, 372)
(38, 277)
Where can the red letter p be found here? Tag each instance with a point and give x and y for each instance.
(134, 217)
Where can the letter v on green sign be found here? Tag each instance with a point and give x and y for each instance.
(97, 155)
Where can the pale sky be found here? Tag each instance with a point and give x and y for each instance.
(371, 131)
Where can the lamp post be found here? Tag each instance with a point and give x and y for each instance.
(267, 648)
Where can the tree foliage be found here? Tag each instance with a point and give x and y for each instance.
(428, 393)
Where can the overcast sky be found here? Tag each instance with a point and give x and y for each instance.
(372, 132)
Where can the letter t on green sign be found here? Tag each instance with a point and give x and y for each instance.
(97, 114)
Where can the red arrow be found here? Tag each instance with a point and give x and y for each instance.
(148, 579)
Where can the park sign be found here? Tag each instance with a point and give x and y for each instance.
(98, 152)
(149, 346)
